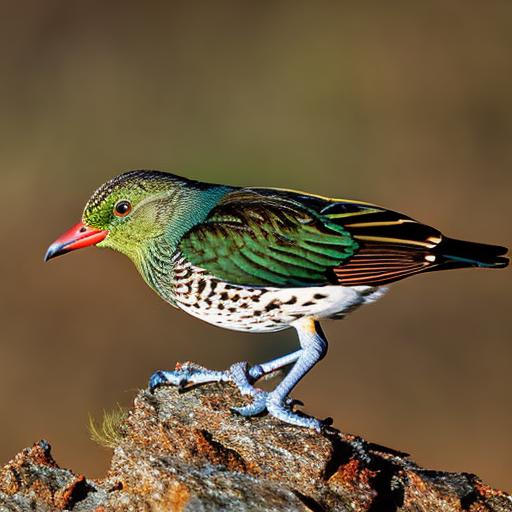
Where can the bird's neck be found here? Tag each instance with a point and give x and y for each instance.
(154, 259)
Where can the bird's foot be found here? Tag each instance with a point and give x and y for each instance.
(244, 376)
(241, 374)
(186, 375)
(282, 410)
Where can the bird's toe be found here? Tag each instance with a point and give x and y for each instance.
(281, 410)
(257, 406)
(156, 380)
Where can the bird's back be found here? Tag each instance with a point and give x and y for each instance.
(283, 238)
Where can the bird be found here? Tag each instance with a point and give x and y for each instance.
(258, 260)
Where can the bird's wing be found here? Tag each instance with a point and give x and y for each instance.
(281, 238)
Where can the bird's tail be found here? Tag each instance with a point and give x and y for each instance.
(452, 253)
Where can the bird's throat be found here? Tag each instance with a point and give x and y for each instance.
(154, 262)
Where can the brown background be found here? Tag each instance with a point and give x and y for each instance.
(406, 104)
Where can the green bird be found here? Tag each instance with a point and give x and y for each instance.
(261, 260)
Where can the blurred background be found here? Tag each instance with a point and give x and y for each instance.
(405, 104)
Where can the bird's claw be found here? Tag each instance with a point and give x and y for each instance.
(156, 380)
(292, 402)
(327, 422)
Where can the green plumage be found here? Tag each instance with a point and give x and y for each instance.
(269, 237)
(255, 239)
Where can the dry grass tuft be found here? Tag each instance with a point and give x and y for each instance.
(111, 430)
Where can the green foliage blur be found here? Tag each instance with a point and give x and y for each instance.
(405, 104)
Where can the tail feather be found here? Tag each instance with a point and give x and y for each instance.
(378, 263)
(459, 254)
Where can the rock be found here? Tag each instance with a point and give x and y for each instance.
(186, 451)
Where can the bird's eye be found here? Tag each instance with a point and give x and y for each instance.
(122, 208)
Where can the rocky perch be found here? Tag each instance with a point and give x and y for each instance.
(186, 451)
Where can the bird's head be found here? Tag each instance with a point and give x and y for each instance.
(126, 213)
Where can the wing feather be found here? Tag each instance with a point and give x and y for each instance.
(261, 240)
(272, 237)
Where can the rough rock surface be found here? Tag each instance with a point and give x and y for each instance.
(186, 451)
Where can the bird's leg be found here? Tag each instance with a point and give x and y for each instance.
(244, 377)
(241, 374)
(259, 370)
(314, 347)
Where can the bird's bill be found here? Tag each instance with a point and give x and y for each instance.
(77, 237)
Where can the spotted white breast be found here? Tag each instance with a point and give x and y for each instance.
(260, 309)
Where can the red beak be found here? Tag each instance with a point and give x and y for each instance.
(77, 237)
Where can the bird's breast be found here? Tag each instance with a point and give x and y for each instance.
(260, 309)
